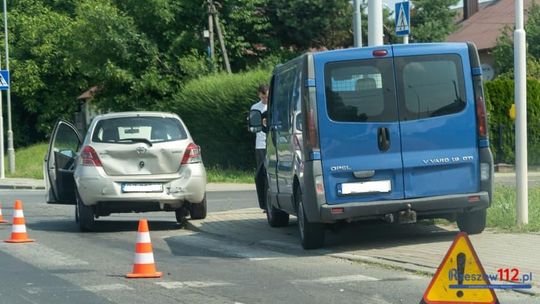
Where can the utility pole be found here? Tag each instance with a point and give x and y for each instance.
(211, 30)
(357, 23)
(220, 37)
(520, 91)
(375, 24)
(11, 150)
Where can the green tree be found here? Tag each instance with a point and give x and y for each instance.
(432, 20)
(312, 23)
(504, 50)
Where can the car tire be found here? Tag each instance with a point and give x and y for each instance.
(472, 222)
(198, 211)
(84, 215)
(311, 234)
(274, 216)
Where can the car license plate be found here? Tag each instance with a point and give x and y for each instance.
(134, 187)
(382, 186)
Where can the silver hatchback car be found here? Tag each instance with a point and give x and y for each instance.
(128, 162)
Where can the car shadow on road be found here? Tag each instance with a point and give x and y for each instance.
(102, 226)
(339, 238)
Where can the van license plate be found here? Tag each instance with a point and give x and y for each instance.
(383, 186)
(142, 187)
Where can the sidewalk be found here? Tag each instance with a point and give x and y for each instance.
(417, 248)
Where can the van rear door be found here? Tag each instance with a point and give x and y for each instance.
(358, 125)
(438, 121)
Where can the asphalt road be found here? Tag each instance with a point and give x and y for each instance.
(66, 266)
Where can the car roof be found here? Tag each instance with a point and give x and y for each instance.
(135, 114)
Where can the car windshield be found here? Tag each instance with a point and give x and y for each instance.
(128, 130)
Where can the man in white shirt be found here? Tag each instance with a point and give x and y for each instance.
(260, 139)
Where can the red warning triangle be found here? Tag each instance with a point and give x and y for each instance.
(459, 268)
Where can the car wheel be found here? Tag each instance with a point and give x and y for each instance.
(472, 222)
(311, 234)
(275, 217)
(84, 215)
(198, 211)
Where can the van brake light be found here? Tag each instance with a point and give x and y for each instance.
(481, 117)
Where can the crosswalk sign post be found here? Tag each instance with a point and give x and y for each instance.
(403, 20)
(4, 80)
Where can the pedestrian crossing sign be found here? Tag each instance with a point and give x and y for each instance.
(403, 21)
(4, 80)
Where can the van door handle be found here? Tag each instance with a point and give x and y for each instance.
(383, 139)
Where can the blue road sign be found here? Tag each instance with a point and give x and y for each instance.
(403, 21)
(4, 80)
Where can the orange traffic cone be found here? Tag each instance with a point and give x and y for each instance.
(2, 220)
(144, 266)
(18, 230)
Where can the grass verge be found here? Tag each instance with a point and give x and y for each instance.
(502, 213)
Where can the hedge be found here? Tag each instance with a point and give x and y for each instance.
(499, 96)
(215, 109)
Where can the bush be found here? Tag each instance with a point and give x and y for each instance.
(499, 96)
(215, 109)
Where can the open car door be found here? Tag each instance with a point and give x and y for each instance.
(60, 163)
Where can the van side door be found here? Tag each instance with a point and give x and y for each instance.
(286, 102)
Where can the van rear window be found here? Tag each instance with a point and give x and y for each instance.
(360, 91)
(430, 86)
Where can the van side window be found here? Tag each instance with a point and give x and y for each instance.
(281, 97)
(360, 91)
(430, 86)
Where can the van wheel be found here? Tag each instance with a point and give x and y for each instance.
(198, 211)
(472, 222)
(275, 217)
(84, 215)
(181, 214)
(311, 234)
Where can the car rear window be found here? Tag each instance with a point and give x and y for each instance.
(128, 129)
(361, 91)
(430, 85)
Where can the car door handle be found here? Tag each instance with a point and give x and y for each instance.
(383, 139)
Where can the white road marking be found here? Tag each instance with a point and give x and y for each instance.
(337, 280)
(41, 256)
(191, 284)
(107, 287)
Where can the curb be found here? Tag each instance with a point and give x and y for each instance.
(21, 187)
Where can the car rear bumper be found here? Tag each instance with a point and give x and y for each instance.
(188, 185)
(427, 206)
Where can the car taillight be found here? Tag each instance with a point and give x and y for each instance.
(192, 154)
(89, 157)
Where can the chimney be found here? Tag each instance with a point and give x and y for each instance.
(470, 7)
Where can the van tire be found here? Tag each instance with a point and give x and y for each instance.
(84, 215)
(472, 222)
(274, 216)
(311, 234)
(198, 211)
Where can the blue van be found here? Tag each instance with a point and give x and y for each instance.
(394, 132)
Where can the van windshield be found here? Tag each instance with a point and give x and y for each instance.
(361, 91)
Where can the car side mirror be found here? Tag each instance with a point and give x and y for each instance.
(255, 121)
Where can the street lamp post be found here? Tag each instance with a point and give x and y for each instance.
(11, 150)
(520, 92)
